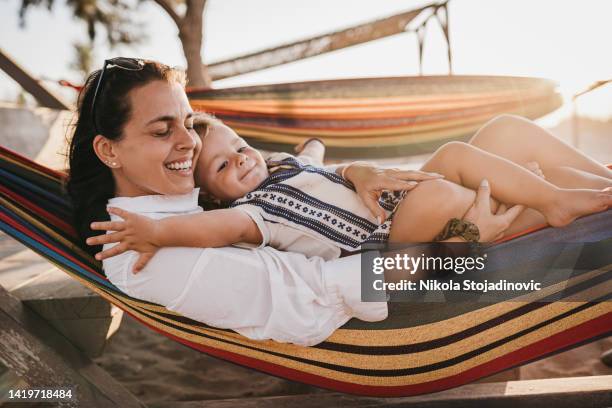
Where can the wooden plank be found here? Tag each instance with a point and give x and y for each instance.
(513, 374)
(575, 392)
(22, 267)
(44, 96)
(78, 313)
(54, 295)
(318, 45)
(43, 358)
(9, 381)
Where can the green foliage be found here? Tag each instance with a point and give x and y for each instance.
(82, 59)
(115, 17)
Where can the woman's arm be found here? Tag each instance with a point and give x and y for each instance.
(210, 229)
(370, 180)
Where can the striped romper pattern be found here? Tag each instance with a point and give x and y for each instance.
(311, 210)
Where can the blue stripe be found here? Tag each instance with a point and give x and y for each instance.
(55, 208)
(46, 237)
(34, 187)
(49, 254)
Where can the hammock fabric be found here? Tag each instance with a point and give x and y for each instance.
(420, 348)
(375, 117)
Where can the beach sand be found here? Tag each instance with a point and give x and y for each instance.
(155, 368)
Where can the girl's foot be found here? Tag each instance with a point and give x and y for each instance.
(573, 204)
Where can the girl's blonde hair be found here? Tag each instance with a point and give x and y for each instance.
(203, 121)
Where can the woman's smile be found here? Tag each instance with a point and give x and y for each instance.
(181, 167)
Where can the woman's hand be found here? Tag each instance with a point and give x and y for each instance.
(136, 232)
(491, 226)
(370, 181)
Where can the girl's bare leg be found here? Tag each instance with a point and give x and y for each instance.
(510, 183)
(520, 140)
(569, 177)
(505, 136)
(414, 220)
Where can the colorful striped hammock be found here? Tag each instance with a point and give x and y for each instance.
(420, 348)
(375, 117)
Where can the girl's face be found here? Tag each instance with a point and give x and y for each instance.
(228, 167)
(159, 146)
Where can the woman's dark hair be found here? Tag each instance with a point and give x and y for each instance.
(90, 182)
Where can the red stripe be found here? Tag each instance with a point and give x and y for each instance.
(569, 337)
(64, 226)
(5, 218)
(521, 233)
(31, 164)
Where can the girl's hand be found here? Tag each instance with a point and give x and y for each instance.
(370, 181)
(491, 226)
(136, 232)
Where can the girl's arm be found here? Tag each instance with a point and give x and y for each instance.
(313, 149)
(216, 228)
(209, 229)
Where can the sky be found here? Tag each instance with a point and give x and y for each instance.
(563, 40)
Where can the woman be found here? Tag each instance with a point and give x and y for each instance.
(135, 124)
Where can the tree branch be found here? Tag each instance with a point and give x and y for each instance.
(165, 4)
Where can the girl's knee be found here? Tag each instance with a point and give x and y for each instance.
(505, 120)
(500, 127)
(450, 150)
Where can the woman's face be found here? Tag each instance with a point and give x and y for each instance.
(159, 146)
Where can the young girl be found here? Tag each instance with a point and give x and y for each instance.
(295, 204)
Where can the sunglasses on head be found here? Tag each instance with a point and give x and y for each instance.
(128, 64)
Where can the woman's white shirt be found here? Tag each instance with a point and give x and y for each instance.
(260, 293)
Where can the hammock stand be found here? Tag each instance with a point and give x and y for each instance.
(418, 349)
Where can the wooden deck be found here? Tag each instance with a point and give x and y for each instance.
(76, 312)
(576, 392)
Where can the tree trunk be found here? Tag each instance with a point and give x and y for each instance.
(191, 32)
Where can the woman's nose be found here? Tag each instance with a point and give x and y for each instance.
(185, 139)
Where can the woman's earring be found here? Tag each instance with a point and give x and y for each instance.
(113, 164)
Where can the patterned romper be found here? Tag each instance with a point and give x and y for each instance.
(308, 209)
